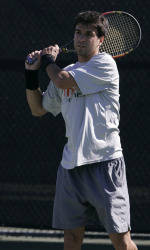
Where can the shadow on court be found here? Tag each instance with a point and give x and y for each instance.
(4, 245)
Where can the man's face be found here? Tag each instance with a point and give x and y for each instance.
(86, 41)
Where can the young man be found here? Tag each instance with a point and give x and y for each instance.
(92, 171)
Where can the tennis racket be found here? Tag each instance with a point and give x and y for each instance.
(123, 37)
(124, 34)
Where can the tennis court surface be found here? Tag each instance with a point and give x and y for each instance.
(28, 239)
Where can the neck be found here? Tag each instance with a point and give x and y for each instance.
(86, 58)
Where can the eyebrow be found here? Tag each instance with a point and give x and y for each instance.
(78, 29)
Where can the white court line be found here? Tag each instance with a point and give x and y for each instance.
(60, 240)
(56, 236)
(60, 232)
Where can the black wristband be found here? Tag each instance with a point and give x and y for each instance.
(31, 79)
(46, 60)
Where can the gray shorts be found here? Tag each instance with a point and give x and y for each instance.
(100, 187)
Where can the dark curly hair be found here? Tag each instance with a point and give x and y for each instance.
(93, 17)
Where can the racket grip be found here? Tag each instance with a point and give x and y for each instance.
(30, 60)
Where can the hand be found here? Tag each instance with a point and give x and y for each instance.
(51, 50)
(36, 65)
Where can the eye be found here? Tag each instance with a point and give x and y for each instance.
(77, 31)
(89, 34)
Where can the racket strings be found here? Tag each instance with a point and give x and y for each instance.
(123, 34)
(130, 31)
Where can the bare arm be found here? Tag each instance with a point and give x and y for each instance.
(61, 78)
(34, 97)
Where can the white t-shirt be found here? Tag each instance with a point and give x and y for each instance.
(92, 114)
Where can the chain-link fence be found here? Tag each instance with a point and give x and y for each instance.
(31, 147)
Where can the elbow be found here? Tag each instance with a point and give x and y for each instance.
(38, 113)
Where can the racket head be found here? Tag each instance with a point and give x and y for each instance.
(124, 34)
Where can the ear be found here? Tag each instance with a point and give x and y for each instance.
(101, 40)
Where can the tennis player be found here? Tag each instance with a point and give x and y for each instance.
(92, 174)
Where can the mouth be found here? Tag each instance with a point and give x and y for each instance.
(81, 46)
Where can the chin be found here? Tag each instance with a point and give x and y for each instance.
(82, 52)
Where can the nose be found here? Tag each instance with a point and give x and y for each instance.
(82, 37)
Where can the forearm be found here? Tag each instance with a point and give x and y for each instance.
(34, 99)
(33, 92)
(61, 78)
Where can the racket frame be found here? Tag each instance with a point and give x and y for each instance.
(138, 25)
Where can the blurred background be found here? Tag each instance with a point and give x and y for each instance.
(30, 147)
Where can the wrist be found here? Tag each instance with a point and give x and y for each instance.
(46, 60)
(31, 79)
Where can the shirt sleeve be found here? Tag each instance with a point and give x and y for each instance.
(52, 99)
(96, 76)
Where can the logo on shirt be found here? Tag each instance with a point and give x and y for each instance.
(68, 94)
(72, 92)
